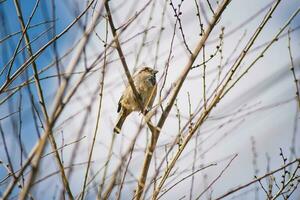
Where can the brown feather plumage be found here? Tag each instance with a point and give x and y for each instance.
(145, 83)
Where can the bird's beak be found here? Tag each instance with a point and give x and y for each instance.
(155, 71)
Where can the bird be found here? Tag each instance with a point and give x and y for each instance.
(145, 82)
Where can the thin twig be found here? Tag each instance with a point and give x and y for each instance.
(293, 69)
(221, 173)
(257, 179)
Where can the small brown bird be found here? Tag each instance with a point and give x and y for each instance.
(145, 83)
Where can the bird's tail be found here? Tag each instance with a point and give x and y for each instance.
(119, 124)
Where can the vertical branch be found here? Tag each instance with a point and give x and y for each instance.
(177, 14)
(294, 135)
(254, 164)
(24, 29)
(98, 116)
(293, 69)
(145, 34)
(199, 18)
(81, 131)
(220, 49)
(178, 116)
(112, 183)
(8, 157)
(35, 114)
(203, 78)
(102, 85)
(195, 148)
(106, 165)
(20, 133)
(55, 51)
(123, 177)
(167, 65)
(160, 34)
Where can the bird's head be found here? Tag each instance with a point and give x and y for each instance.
(148, 71)
(147, 74)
